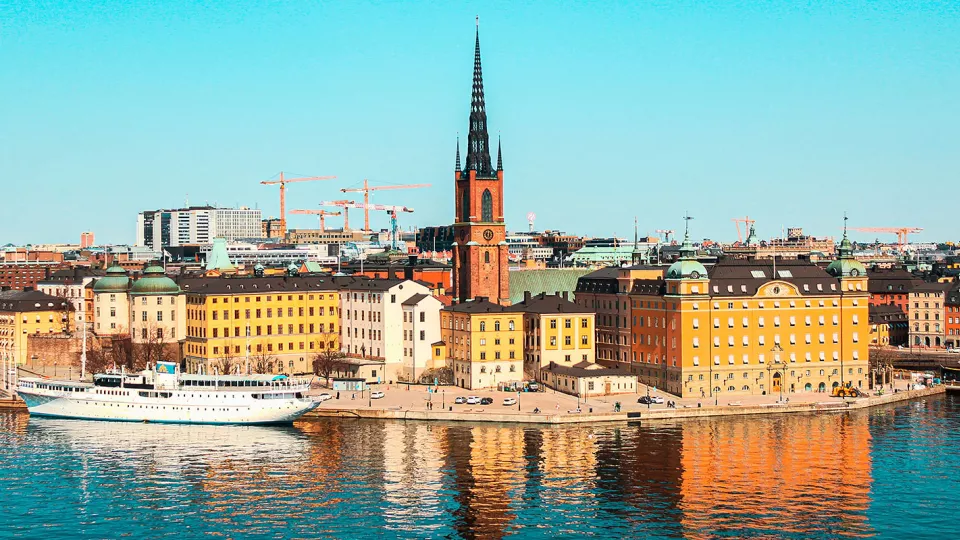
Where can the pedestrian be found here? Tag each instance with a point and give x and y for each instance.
(338, 395)
(353, 395)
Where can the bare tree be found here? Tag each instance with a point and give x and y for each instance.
(881, 362)
(328, 358)
(261, 360)
(225, 362)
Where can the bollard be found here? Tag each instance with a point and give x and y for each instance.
(591, 409)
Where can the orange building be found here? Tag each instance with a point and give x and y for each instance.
(749, 327)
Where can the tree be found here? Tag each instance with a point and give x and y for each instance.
(328, 359)
(881, 363)
(225, 363)
(261, 360)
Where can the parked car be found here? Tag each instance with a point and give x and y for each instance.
(460, 400)
(658, 400)
(486, 401)
(533, 387)
(473, 400)
(376, 395)
(645, 400)
(954, 351)
(510, 401)
(324, 396)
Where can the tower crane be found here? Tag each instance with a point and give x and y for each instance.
(667, 233)
(747, 222)
(321, 213)
(901, 232)
(366, 189)
(392, 210)
(346, 205)
(283, 196)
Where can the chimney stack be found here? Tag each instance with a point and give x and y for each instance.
(526, 296)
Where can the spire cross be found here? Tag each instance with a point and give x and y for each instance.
(686, 232)
(636, 241)
(845, 218)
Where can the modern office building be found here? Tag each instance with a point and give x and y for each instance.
(158, 229)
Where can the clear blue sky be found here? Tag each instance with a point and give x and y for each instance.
(788, 113)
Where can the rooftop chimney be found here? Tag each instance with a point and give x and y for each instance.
(526, 296)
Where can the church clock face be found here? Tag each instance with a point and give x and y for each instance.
(488, 235)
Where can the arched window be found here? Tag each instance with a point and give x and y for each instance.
(483, 326)
(486, 206)
(465, 205)
(486, 257)
(496, 326)
(510, 325)
(498, 369)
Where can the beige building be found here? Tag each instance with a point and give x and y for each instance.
(927, 312)
(111, 303)
(588, 380)
(156, 308)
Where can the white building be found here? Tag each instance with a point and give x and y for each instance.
(243, 253)
(159, 229)
(372, 313)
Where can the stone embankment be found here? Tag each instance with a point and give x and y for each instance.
(653, 414)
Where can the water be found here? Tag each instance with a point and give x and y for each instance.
(886, 472)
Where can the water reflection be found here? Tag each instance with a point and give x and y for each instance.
(798, 476)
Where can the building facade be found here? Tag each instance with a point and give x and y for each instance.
(928, 315)
(26, 313)
(555, 331)
(747, 327)
(158, 229)
(372, 323)
(482, 343)
(480, 255)
(111, 303)
(271, 324)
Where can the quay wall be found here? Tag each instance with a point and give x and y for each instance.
(653, 414)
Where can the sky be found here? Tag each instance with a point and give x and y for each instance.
(790, 112)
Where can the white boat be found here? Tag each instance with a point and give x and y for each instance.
(164, 395)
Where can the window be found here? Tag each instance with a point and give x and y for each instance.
(511, 325)
(553, 323)
(486, 206)
(483, 326)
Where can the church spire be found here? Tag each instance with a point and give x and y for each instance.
(458, 154)
(499, 155)
(478, 150)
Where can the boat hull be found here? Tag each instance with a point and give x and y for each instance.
(220, 412)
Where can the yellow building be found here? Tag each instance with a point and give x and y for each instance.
(271, 324)
(555, 330)
(749, 327)
(483, 343)
(25, 313)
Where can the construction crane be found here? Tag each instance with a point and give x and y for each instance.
(667, 233)
(346, 205)
(283, 196)
(392, 210)
(901, 232)
(321, 213)
(747, 222)
(366, 189)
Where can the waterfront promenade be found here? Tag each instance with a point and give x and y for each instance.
(401, 403)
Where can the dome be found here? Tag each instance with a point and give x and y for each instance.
(846, 265)
(154, 281)
(687, 269)
(115, 281)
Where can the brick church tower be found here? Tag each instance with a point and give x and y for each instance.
(480, 245)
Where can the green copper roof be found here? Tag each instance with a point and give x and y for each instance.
(116, 280)
(218, 259)
(688, 267)
(154, 282)
(546, 280)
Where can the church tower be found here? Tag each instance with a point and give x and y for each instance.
(480, 245)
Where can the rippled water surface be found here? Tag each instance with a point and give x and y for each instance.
(887, 473)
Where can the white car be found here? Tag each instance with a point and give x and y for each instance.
(473, 400)
(954, 351)
(324, 396)
(510, 401)
(376, 395)
(656, 399)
